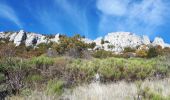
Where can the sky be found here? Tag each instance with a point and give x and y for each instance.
(90, 18)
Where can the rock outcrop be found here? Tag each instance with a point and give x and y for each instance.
(20, 37)
(146, 40)
(27, 38)
(56, 39)
(115, 42)
(119, 40)
(158, 41)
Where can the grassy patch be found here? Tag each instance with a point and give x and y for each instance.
(55, 87)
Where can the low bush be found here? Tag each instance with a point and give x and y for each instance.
(141, 53)
(14, 70)
(102, 54)
(7, 50)
(114, 69)
(34, 78)
(55, 87)
(26, 92)
(148, 94)
(152, 52)
(72, 46)
(2, 77)
(14, 64)
(42, 62)
(82, 70)
(129, 49)
(59, 68)
(166, 51)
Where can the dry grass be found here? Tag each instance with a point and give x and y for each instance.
(118, 91)
(96, 91)
(34, 96)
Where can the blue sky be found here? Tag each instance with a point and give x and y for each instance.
(92, 18)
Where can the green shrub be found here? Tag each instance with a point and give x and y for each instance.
(117, 69)
(2, 77)
(55, 87)
(147, 94)
(14, 70)
(102, 54)
(26, 92)
(14, 64)
(34, 78)
(43, 47)
(152, 52)
(92, 45)
(129, 49)
(82, 70)
(42, 62)
(141, 53)
(163, 66)
(67, 44)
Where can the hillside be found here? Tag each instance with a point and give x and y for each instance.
(115, 41)
(42, 67)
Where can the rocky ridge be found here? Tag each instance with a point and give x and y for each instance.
(115, 41)
(28, 38)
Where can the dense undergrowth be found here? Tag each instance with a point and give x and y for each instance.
(52, 68)
(53, 75)
(119, 68)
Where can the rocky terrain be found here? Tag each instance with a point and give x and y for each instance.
(115, 41)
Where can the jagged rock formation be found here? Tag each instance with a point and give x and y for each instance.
(56, 39)
(160, 41)
(20, 37)
(120, 40)
(146, 40)
(29, 39)
(115, 42)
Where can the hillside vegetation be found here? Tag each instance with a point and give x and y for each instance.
(52, 68)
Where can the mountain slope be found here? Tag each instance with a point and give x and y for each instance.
(115, 41)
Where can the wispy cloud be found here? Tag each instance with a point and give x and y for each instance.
(48, 20)
(76, 14)
(8, 13)
(113, 7)
(132, 15)
(59, 15)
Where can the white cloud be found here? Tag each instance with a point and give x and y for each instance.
(149, 11)
(8, 13)
(113, 7)
(144, 15)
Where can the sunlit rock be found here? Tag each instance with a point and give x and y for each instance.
(56, 38)
(146, 40)
(115, 41)
(2, 35)
(19, 38)
(31, 39)
(12, 36)
(159, 41)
